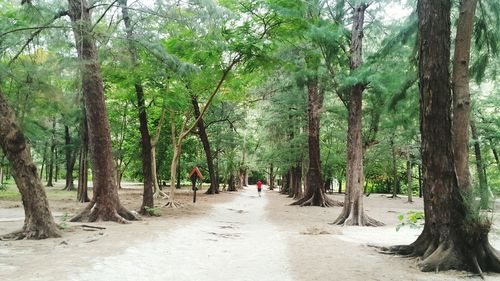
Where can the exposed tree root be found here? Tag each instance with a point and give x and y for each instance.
(173, 204)
(93, 213)
(321, 201)
(30, 234)
(449, 255)
(159, 193)
(360, 220)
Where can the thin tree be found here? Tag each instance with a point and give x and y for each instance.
(202, 133)
(147, 198)
(454, 236)
(38, 221)
(70, 159)
(105, 204)
(353, 212)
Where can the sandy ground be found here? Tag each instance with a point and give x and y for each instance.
(230, 236)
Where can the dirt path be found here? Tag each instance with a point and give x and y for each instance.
(233, 242)
(232, 236)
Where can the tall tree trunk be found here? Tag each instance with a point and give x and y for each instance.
(38, 221)
(271, 177)
(483, 187)
(105, 204)
(353, 212)
(314, 193)
(495, 154)
(70, 160)
(409, 177)
(394, 171)
(44, 161)
(82, 188)
(286, 182)
(147, 198)
(461, 92)
(50, 167)
(420, 193)
(56, 164)
(202, 133)
(296, 176)
(453, 236)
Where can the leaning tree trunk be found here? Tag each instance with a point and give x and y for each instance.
(70, 160)
(147, 198)
(105, 204)
(314, 195)
(353, 212)
(38, 221)
(202, 133)
(454, 237)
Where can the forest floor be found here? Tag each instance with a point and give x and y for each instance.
(231, 236)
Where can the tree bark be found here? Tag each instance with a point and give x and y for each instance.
(105, 204)
(38, 221)
(82, 188)
(461, 92)
(202, 133)
(296, 175)
(353, 211)
(394, 171)
(50, 166)
(70, 160)
(483, 186)
(314, 193)
(409, 177)
(147, 198)
(454, 237)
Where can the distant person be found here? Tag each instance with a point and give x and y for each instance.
(259, 187)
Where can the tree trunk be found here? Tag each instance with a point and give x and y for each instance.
(230, 183)
(56, 163)
(314, 193)
(453, 236)
(483, 187)
(50, 167)
(202, 133)
(105, 204)
(420, 193)
(495, 154)
(70, 160)
(82, 189)
(409, 178)
(285, 183)
(147, 198)
(340, 185)
(271, 177)
(296, 175)
(38, 221)
(353, 211)
(44, 160)
(394, 171)
(461, 92)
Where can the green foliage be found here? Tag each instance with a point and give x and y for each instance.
(152, 211)
(413, 219)
(64, 221)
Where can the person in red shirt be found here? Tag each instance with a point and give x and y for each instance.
(259, 186)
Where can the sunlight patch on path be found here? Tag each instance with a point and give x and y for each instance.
(234, 242)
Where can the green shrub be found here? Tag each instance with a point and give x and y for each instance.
(413, 219)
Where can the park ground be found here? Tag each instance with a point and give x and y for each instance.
(230, 236)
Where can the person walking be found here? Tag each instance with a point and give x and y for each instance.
(259, 187)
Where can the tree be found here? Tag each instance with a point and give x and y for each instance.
(146, 152)
(38, 221)
(202, 133)
(454, 236)
(105, 204)
(353, 211)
